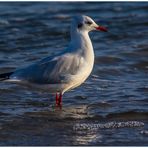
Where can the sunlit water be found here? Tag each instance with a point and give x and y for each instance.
(110, 108)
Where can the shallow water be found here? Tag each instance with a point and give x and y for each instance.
(110, 108)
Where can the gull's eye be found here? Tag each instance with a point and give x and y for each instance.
(88, 22)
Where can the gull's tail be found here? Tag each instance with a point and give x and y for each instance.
(5, 76)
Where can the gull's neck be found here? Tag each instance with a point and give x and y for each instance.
(81, 43)
(80, 39)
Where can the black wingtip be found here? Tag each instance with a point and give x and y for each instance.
(5, 76)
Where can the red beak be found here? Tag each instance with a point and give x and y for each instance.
(101, 28)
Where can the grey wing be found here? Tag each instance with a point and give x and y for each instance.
(51, 70)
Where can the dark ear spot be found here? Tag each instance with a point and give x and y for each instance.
(80, 25)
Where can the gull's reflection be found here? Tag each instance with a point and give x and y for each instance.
(86, 137)
(80, 135)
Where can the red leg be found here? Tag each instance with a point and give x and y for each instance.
(60, 99)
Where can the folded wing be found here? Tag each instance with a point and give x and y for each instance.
(50, 70)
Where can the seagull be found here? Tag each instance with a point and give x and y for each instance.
(65, 71)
